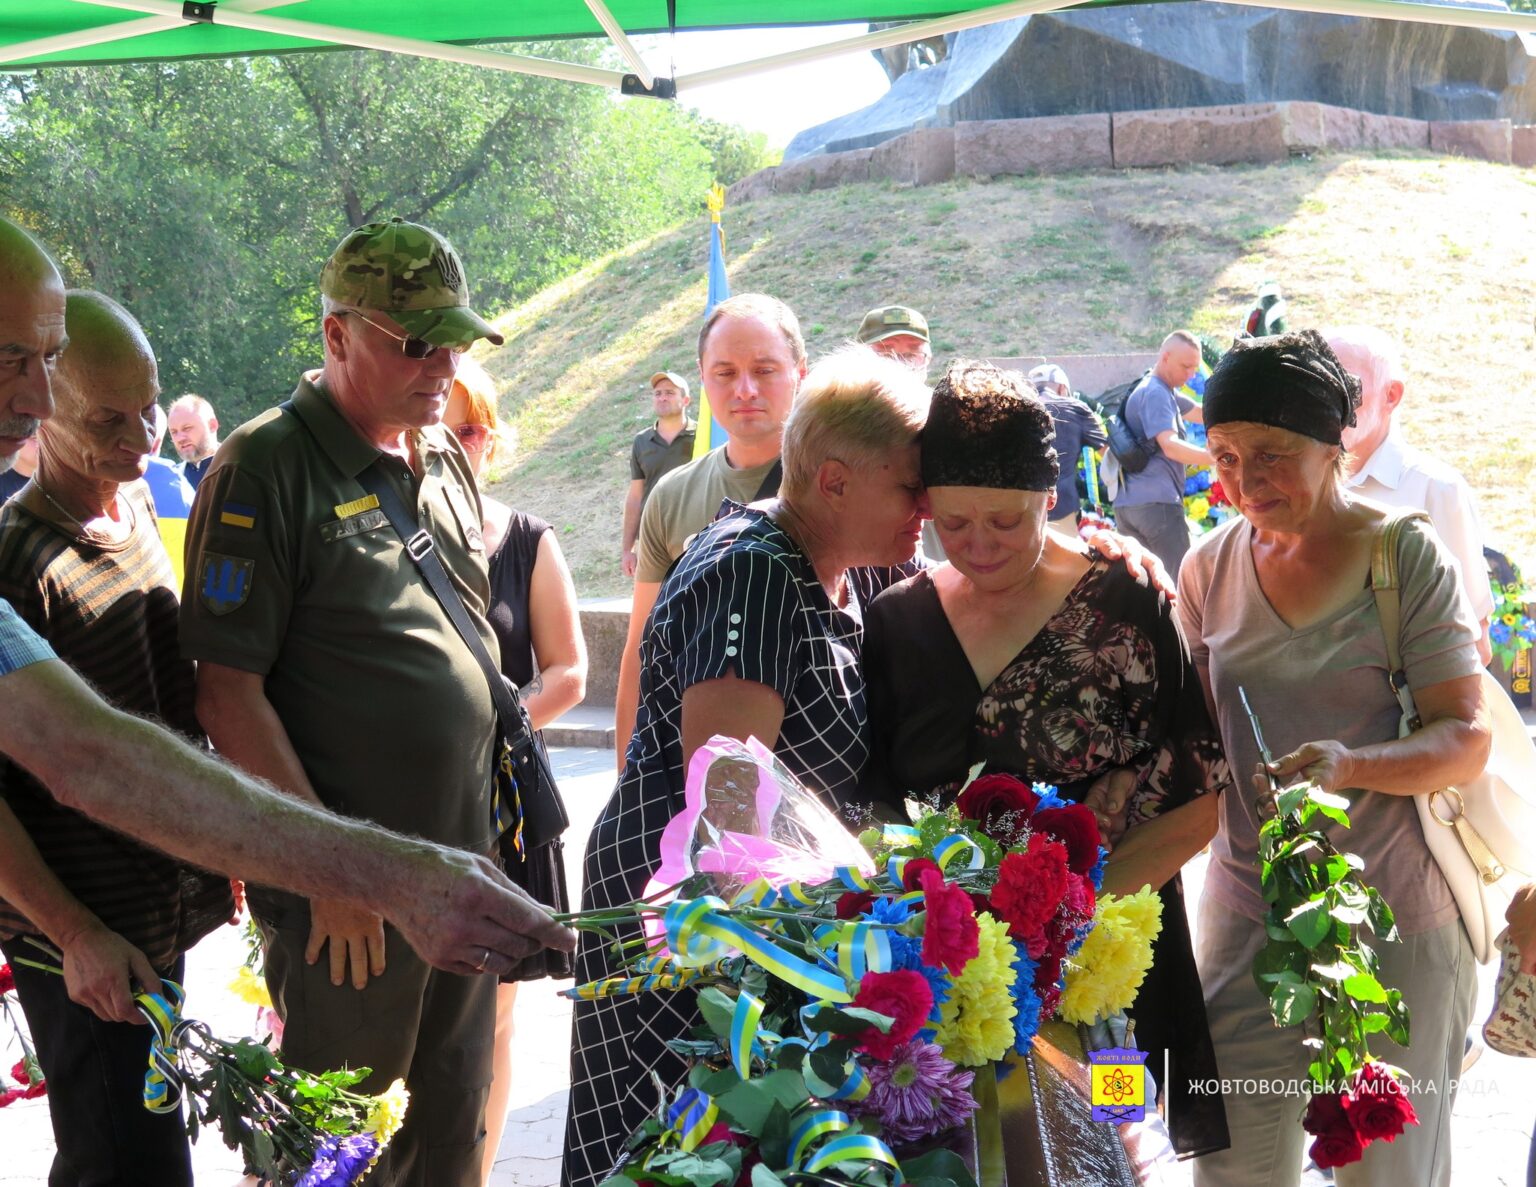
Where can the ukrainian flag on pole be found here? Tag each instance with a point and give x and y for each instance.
(710, 433)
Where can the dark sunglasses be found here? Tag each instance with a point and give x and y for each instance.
(411, 347)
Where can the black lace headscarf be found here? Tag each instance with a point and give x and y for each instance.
(986, 427)
(1291, 381)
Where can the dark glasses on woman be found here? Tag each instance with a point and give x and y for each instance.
(472, 436)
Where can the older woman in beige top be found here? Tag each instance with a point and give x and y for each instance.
(1279, 602)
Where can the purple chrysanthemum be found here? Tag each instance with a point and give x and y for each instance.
(340, 1162)
(918, 1093)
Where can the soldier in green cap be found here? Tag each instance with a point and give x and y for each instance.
(327, 666)
(898, 332)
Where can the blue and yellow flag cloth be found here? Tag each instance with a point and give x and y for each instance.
(710, 434)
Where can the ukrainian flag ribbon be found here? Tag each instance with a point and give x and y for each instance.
(744, 1019)
(697, 933)
(162, 1083)
(691, 1117)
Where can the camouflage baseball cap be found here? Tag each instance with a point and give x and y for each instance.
(890, 320)
(411, 273)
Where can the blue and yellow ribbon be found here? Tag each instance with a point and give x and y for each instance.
(959, 848)
(691, 1117)
(744, 1019)
(162, 1083)
(698, 934)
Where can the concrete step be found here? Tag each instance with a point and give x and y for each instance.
(585, 725)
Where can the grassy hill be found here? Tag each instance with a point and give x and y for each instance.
(1440, 251)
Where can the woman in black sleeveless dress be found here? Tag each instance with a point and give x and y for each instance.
(533, 612)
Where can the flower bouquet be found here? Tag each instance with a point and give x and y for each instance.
(846, 1009)
(1320, 975)
(27, 1072)
(293, 1128)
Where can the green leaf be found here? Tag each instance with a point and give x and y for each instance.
(747, 1103)
(1372, 1023)
(1276, 958)
(763, 1177)
(848, 1020)
(1363, 987)
(1309, 922)
(1292, 1003)
(939, 1166)
(1380, 916)
(1288, 799)
(717, 1009)
(1340, 970)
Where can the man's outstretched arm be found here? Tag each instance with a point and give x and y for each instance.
(451, 906)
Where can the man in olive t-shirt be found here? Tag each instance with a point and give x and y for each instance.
(751, 361)
(326, 666)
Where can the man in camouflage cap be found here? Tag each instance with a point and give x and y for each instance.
(326, 666)
(900, 333)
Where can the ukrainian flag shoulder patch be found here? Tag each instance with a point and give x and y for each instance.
(238, 515)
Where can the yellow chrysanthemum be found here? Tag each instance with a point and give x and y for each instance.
(250, 988)
(387, 1113)
(1108, 969)
(976, 1023)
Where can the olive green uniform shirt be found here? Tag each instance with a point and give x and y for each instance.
(684, 502)
(293, 574)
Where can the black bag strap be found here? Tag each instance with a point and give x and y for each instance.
(422, 550)
(771, 480)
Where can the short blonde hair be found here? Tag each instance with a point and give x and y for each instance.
(481, 396)
(854, 407)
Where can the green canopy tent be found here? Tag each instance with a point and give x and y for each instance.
(40, 33)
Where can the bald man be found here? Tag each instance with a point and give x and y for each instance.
(82, 563)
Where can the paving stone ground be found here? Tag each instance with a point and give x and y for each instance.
(1493, 1112)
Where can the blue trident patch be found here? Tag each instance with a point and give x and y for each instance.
(226, 582)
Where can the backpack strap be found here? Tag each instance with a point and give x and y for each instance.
(1386, 585)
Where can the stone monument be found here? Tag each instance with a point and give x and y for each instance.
(1141, 57)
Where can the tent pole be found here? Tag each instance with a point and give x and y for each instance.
(384, 42)
(102, 34)
(622, 42)
(915, 31)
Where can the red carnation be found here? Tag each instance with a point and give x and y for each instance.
(1048, 961)
(912, 872)
(951, 936)
(853, 903)
(7, 979)
(1029, 890)
(11, 1094)
(903, 996)
(1079, 901)
(1217, 496)
(1376, 1105)
(999, 803)
(1075, 827)
(35, 1090)
(19, 1072)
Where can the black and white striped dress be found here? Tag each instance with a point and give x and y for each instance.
(742, 600)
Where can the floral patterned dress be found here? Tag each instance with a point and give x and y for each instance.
(1107, 682)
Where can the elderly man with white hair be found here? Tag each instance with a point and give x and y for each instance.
(1384, 467)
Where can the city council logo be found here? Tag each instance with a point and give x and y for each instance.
(1119, 1084)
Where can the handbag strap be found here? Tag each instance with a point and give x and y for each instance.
(422, 550)
(1385, 585)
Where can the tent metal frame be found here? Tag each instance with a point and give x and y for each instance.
(161, 15)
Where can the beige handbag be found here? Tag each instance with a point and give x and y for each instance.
(1480, 834)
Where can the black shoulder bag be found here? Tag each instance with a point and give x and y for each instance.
(526, 797)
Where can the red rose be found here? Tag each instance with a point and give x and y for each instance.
(1325, 1112)
(7, 979)
(1001, 804)
(853, 903)
(1075, 827)
(1030, 887)
(903, 996)
(718, 1132)
(912, 872)
(1337, 1147)
(1376, 1105)
(951, 936)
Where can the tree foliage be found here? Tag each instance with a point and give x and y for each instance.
(206, 195)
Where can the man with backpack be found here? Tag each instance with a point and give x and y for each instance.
(1150, 505)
